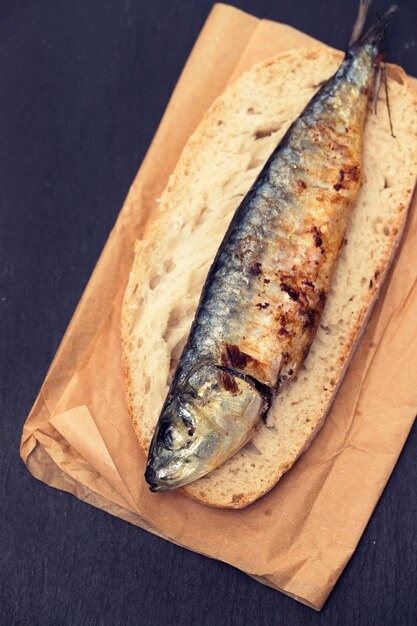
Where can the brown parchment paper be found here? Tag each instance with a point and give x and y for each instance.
(78, 436)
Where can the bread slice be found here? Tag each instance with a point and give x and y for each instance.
(217, 167)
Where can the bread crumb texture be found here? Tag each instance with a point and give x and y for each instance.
(217, 167)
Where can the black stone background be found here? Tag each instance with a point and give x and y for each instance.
(83, 85)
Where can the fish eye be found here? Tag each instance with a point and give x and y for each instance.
(165, 435)
(170, 437)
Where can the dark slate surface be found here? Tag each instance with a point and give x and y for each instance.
(83, 86)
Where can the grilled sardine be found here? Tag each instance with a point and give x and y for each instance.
(265, 292)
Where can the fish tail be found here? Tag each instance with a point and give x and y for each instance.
(375, 35)
(360, 21)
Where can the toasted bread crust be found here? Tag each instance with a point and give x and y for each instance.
(160, 224)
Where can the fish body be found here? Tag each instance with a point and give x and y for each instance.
(265, 292)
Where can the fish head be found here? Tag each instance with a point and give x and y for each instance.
(206, 419)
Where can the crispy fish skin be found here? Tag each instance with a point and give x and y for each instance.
(265, 292)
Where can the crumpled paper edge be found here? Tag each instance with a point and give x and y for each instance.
(34, 443)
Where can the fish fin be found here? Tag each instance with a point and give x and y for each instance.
(384, 73)
(261, 388)
(381, 71)
(377, 87)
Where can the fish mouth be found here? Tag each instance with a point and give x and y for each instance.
(154, 482)
(165, 478)
(151, 478)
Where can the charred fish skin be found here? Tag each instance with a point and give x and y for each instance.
(265, 292)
